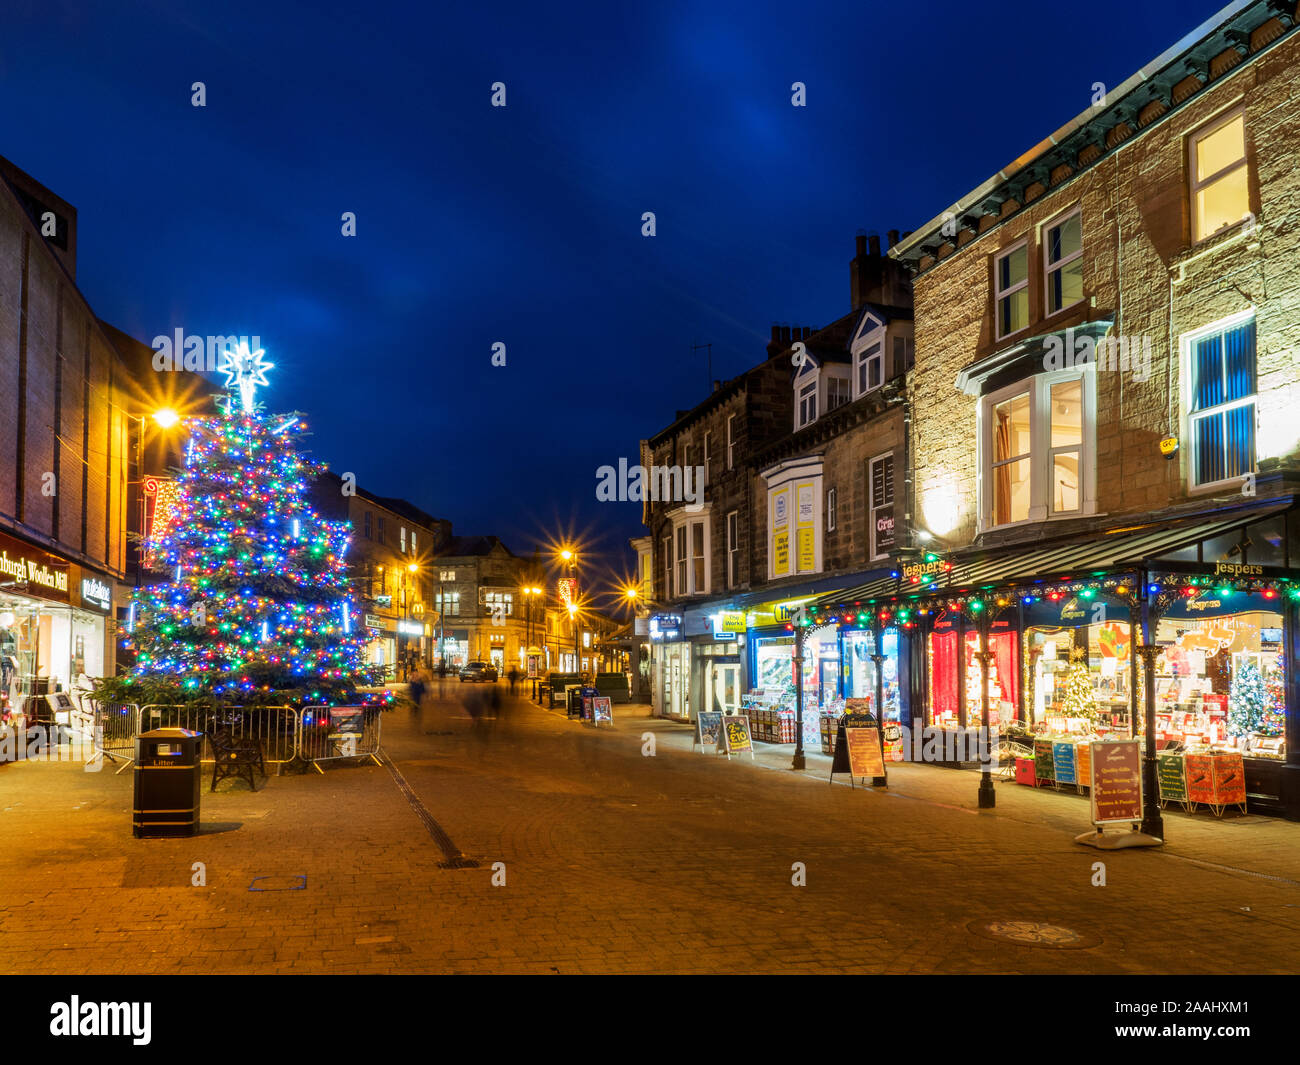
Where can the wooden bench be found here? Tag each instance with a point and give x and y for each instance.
(235, 756)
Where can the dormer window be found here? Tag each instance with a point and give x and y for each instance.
(808, 404)
(871, 368)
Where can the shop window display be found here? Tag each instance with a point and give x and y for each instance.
(1078, 679)
(1220, 682)
(860, 669)
(946, 671)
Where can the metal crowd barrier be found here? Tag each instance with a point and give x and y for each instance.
(116, 726)
(339, 733)
(276, 727)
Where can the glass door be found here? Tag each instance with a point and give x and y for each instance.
(724, 687)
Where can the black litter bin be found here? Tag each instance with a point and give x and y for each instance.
(573, 701)
(167, 782)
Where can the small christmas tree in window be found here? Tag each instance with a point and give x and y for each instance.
(1247, 699)
(1078, 698)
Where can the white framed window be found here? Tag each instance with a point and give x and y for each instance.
(691, 533)
(1012, 459)
(837, 392)
(1011, 289)
(412, 541)
(733, 548)
(666, 548)
(451, 599)
(870, 367)
(808, 404)
(830, 510)
(880, 495)
(403, 528)
(731, 442)
(1063, 261)
(1219, 175)
(708, 454)
(1037, 444)
(1219, 395)
(683, 561)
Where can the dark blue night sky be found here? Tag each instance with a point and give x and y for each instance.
(522, 225)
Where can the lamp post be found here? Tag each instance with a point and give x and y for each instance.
(405, 622)
(573, 624)
(165, 418)
(530, 599)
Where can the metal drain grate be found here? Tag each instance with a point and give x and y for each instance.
(455, 858)
(1034, 934)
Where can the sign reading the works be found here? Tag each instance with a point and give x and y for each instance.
(33, 571)
(96, 594)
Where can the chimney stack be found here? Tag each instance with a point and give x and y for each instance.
(874, 240)
(785, 334)
(893, 237)
(862, 244)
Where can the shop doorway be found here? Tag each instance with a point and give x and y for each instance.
(723, 686)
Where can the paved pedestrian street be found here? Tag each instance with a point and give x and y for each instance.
(613, 861)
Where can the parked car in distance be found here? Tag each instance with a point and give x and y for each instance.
(478, 671)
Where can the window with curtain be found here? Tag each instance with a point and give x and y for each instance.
(1222, 415)
(1011, 460)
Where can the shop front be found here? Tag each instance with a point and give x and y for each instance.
(54, 629)
(1055, 633)
(672, 667)
(381, 643)
(452, 647)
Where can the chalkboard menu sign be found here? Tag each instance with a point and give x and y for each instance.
(855, 733)
(735, 735)
(864, 752)
(709, 724)
(1063, 763)
(1116, 782)
(1044, 762)
(1169, 772)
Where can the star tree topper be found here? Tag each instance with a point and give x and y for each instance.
(247, 370)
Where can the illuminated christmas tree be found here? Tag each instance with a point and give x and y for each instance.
(259, 600)
(1274, 723)
(1247, 699)
(1078, 698)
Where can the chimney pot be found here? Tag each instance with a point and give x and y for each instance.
(785, 334)
(862, 244)
(776, 333)
(874, 241)
(893, 237)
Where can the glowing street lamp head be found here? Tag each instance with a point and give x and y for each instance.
(166, 418)
(245, 369)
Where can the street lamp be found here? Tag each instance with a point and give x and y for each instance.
(412, 568)
(530, 598)
(164, 418)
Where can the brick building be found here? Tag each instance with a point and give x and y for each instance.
(75, 396)
(1103, 433)
(787, 507)
(388, 562)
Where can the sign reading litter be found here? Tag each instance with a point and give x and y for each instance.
(1116, 782)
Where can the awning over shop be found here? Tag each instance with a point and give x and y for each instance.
(1225, 542)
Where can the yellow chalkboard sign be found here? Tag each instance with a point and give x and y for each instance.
(736, 738)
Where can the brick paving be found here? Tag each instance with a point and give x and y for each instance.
(616, 862)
